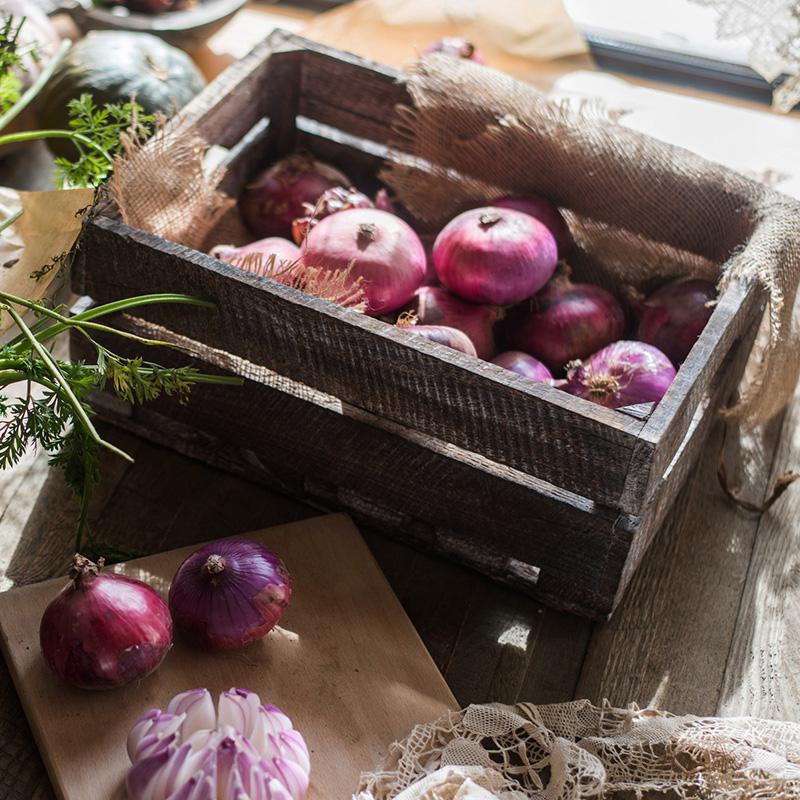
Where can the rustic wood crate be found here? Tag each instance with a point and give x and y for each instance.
(535, 487)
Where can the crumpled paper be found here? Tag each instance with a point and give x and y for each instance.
(516, 36)
(34, 250)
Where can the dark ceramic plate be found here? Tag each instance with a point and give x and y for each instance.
(185, 29)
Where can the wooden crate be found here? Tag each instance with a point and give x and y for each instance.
(535, 487)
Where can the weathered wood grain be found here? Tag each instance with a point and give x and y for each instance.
(762, 673)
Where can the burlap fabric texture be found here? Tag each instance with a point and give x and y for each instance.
(641, 210)
(570, 751)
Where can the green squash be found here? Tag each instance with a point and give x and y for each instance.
(113, 65)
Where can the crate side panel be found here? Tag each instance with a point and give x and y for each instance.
(374, 366)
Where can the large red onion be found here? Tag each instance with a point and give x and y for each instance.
(104, 630)
(622, 374)
(329, 202)
(547, 213)
(524, 364)
(673, 316)
(441, 334)
(456, 47)
(258, 253)
(494, 255)
(565, 321)
(229, 593)
(374, 245)
(436, 306)
(276, 197)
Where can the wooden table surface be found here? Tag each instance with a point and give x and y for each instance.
(710, 624)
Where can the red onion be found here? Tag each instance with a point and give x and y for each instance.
(384, 202)
(229, 593)
(673, 316)
(493, 255)
(284, 251)
(547, 213)
(431, 278)
(622, 374)
(104, 630)
(436, 306)
(374, 245)
(455, 46)
(329, 202)
(193, 751)
(441, 334)
(566, 321)
(523, 364)
(276, 197)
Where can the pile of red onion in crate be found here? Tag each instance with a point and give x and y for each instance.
(495, 283)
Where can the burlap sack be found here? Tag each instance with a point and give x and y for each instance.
(641, 210)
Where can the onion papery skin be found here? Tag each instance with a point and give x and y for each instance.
(456, 47)
(329, 202)
(623, 374)
(375, 245)
(565, 321)
(525, 365)
(547, 213)
(673, 317)
(104, 630)
(276, 197)
(436, 306)
(194, 751)
(493, 255)
(442, 334)
(284, 251)
(229, 593)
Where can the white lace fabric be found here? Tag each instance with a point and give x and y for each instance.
(571, 751)
(773, 29)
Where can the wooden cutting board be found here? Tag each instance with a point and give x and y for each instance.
(345, 664)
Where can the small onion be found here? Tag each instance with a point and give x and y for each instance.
(493, 255)
(329, 202)
(229, 593)
(384, 202)
(622, 374)
(524, 364)
(565, 321)
(284, 251)
(436, 306)
(276, 197)
(241, 749)
(673, 317)
(104, 630)
(456, 47)
(547, 213)
(441, 334)
(374, 245)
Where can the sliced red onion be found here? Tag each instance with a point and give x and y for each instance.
(524, 364)
(547, 213)
(622, 374)
(673, 317)
(192, 751)
(373, 245)
(229, 593)
(494, 255)
(565, 321)
(436, 306)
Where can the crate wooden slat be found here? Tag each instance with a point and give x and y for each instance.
(535, 487)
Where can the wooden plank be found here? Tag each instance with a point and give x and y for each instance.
(503, 522)
(762, 673)
(367, 667)
(377, 367)
(668, 640)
